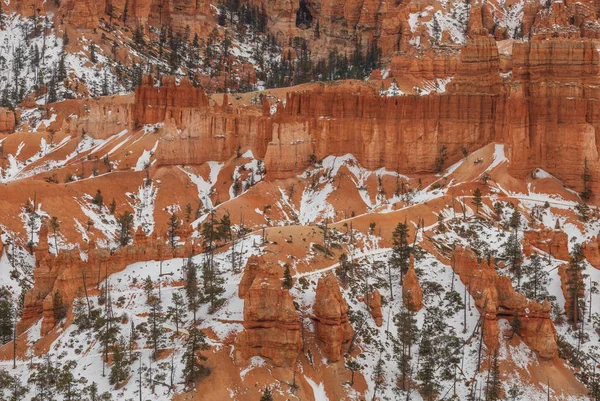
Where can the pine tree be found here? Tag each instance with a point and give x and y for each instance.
(45, 381)
(494, 386)
(400, 252)
(175, 311)
(193, 368)
(148, 289)
(406, 326)
(213, 286)
(98, 199)
(586, 177)
(125, 11)
(575, 286)
(191, 287)
(7, 315)
(11, 388)
(125, 226)
(477, 200)
(514, 255)
(267, 395)
(287, 277)
(55, 227)
(93, 57)
(352, 366)
(188, 212)
(441, 159)
(426, 374)
(59, 307)
(538, 279)
(173, 230)
(112, 207)
(120, 367)
(156, 319)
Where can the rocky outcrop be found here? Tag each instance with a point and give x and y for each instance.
(496, 298)
(374, 304)
(272, 327)
(412, 295)
(331, 318)
(67, 274)
(7, 121)
(573, 289)
(553, 241)
(153, 105)
(591, 251)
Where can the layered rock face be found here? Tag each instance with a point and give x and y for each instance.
(195, 132)
(331, 318)
(556, 85)
(272, 327)
(67, 273)
(496, 298)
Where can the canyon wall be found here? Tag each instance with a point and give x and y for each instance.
(546, 114)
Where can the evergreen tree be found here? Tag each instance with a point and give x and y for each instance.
(191, 287)
(494, 385)
(59, 307)
(400, 258)
(287, 277)
(11, 388)
(193, 368)
(426, 374)
(352, 366)
(125, 227)
(98, 199)
(538, 279)
(120, 364)
(148, 289)
(575, 286)
(55, 227)
(477, 201)
(156, 319)
(7, 315)
(267, 396)
(514, 255)
(406, 326)
(173, 229)
(66, 383)
(45, 381)
(213, 286)
(112, 207)
(93, 57)
(175, 311)
(585, 178)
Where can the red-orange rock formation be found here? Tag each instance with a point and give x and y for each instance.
(591, 251)
(272, 327)
(496, 298)
(7, 121)
(412, 295)
(553, 241)
(374, 304)
(66, 272)
(331, 318)
(573, 288)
